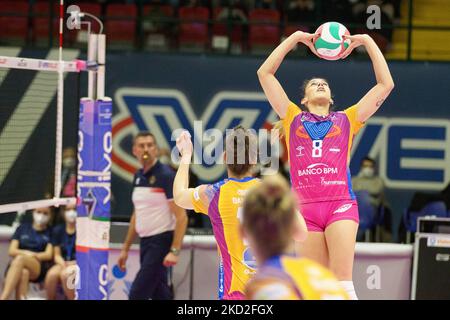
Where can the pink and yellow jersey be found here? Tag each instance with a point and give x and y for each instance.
(222, 202)
(290, 278)
(319, 153)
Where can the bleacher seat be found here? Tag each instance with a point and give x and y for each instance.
(193, 33)
(425, 44)
(40, 23)
(220, 31)
(14, 22)
(435, 208)
(157, 32)
(120, 25)
(264, 29)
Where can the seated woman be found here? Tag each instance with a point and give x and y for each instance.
(63, 271)
(31, 251)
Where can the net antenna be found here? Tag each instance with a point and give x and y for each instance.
(74, 21)
(96, 50)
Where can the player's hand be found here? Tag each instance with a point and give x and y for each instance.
(308, 39)
(122, 261)
(274, 135)
(170, 260)
(356, 41)
(184, 144)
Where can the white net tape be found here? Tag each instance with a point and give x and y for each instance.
(39, 64)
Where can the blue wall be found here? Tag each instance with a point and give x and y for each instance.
(416, 114)
(409, 135)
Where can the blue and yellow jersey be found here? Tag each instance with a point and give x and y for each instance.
(222, 202)
(292, 278)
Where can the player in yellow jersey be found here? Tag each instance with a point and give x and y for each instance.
(222, 202)
(269, 217)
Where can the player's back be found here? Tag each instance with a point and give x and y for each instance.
(292, 278)
(225, 213)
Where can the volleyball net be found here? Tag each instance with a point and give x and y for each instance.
(33, 109)
(31, 128)
(33, 115)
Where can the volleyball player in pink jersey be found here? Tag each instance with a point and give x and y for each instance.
(319, 142)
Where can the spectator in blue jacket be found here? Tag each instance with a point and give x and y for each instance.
(65, 268)
(32, 253)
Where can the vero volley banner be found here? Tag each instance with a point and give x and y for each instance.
(94, 194)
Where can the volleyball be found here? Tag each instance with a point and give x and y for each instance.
(330, 45)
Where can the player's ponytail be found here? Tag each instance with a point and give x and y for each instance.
(241, 147)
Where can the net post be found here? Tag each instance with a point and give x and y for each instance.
(92, 56)
(94, 181)
(94, 194)
(101, 57)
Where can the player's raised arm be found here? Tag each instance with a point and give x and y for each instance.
(181, 191)
(266, 73)
(373, 99)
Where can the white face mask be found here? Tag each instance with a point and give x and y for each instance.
(40, 218)
(68, 162)
(367, 172)
(70, 215)
(164, 160)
